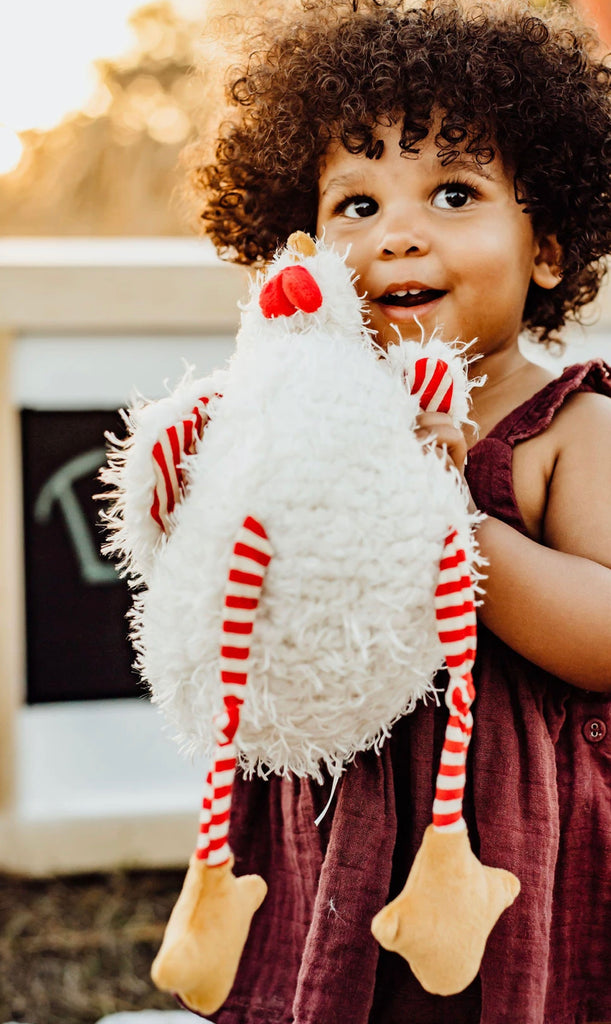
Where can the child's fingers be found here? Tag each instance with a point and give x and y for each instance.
(449, 440)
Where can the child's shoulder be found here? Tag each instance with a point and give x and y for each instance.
(562, 476)
(581, 416)
(581, 422)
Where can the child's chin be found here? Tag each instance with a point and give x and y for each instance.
(395, 335)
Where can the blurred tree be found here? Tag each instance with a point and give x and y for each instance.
(111, 169)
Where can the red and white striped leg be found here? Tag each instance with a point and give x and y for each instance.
(442, 918)
(457, 631)
(252, 553)
(208, 927)
(212, 845)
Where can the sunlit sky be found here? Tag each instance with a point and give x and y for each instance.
(47, 49)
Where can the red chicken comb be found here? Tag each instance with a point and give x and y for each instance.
(291, 289)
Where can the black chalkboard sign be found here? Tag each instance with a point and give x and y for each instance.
(75, 602)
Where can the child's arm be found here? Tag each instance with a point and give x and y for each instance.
(550, 606)
(550, 600)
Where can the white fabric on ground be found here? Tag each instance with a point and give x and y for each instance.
(151, 1017)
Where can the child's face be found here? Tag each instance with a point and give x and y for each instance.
(449, 246)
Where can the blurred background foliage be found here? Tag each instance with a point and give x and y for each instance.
(113, 167)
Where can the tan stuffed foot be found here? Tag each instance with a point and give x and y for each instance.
(441, 921)
(206, 933)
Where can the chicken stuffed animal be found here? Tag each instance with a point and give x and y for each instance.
(303, 566)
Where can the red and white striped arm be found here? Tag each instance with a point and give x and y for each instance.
(252, 553)
(457, 631)
(175, 442)
(431, 380)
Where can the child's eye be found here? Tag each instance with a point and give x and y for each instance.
(357, 206)
(453, 196)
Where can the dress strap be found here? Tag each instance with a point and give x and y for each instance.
(489, 465)
(535, 415)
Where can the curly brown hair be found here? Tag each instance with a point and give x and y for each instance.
(509, 78)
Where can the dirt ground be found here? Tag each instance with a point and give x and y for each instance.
(76, 948)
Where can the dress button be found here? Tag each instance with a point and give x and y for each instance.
(594, 730)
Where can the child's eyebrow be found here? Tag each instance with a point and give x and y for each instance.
(350, 182)
(472, 166)
(356, 182)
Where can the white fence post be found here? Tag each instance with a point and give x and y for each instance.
(11, 578)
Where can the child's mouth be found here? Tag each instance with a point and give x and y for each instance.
(407, 297)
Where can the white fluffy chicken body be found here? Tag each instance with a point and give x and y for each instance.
(311, 433)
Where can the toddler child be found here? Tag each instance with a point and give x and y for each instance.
(461, 155)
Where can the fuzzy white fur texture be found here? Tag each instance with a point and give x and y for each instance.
(313, 436)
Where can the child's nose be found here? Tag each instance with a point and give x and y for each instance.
(404, 234)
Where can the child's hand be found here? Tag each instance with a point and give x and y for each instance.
(450, 443)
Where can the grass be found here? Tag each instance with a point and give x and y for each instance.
(74, 949)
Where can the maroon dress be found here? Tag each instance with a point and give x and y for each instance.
(538, 802)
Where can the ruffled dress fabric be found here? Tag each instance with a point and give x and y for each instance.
(538, 802)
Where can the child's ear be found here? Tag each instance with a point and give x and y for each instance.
(547, 266)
